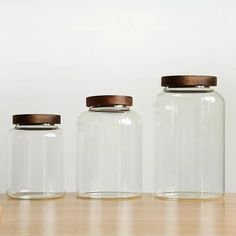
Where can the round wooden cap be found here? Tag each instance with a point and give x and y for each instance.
(188, 81)
(36, 119)
(108, 100)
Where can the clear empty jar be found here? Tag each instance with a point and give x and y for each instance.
(189, 157)
(109, 149)
(36, 157)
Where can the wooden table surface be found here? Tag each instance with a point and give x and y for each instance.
(141, 216)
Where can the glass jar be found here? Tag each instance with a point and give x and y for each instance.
(189, 156)
(109, 149)
(36, 157)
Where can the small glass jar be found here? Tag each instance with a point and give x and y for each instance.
(36, 157)
(190, 139)
(109, 149)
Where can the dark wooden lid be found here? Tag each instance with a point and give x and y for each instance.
(36, 119)
(188, 81)
(108, 100)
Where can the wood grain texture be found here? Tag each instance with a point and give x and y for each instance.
(70, 216)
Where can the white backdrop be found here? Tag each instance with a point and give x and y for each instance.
(55, 53)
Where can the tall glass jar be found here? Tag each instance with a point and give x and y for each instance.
(189, 156)
(36, 157)
(109, 149)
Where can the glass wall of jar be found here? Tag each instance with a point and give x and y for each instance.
(36, 157)
(109, 149)
(189, 156)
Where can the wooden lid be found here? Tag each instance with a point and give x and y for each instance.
(188, 81)
(36, 119)
(108, 100)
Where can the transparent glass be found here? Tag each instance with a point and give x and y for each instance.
(36, 162)
(189, 146)
(109, 153)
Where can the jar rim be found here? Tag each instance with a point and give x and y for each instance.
(36, 119)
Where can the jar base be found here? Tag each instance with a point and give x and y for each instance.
(189, 195)
(108, 195)
(35, 195)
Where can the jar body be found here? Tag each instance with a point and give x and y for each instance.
(189, 155)
(36, 162)
(109, 150)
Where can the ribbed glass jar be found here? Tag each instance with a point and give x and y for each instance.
(109, 149)
(36, 157)
(189, 144)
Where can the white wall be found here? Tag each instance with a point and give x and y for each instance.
(55, 53)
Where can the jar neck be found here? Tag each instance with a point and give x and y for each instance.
(44, 126)
(192, 89)
(115, 108)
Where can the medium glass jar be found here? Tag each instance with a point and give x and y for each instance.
(36, 157)
(190, 139)
(109, 149)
